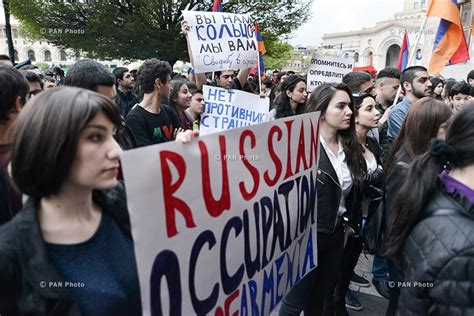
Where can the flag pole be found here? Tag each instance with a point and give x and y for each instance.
(411, 54)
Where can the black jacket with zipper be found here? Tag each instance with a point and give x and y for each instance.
(25, 265)
(329, 197)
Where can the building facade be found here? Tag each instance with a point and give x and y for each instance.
(379, 46)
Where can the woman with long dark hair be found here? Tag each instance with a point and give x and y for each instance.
(426, 119)
(339, 179)
(432, 226)
(291, 100)
(180, 100)
(366, 118)
(437, 86)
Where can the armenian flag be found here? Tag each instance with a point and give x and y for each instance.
(261, 49)
(217, 7)
(404, 53)
(450, 45)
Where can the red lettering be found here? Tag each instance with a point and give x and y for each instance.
(314, 145)
(173, 203)
(300, 155)
(253, 171)
(288, 173)
(215, 207)
(278, 167)
(227, 302)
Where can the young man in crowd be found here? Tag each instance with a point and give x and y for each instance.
(459, 95)
(125, 97)
(34, 81)
(92, 75)
(416, 84)
(359, 81)
(13, 96)
(151, 121)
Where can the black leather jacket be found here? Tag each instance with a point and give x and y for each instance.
(329, 197)
(439, 252)
(24, 261)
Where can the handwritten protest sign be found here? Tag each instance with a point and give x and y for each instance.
(221, 41)
(327, 69)
(226, 109)
(226, 223)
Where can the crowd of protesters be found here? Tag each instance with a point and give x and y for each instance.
(63, 209)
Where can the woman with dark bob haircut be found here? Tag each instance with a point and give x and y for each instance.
(292, 98)
(70, 249)
(433, 238)
(339, 181)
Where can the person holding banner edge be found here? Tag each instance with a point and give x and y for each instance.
(339, 182)
(70, 250)
(225, 79)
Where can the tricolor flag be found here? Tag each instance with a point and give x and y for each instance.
(261, 49)
(450, 45)
(217, 7)
(404, 53)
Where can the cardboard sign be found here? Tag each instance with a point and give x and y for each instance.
(227, 109)
(221, 41)
(327, 69)
(226, 223)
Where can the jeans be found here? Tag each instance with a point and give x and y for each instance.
(314, 292)
(380, 269)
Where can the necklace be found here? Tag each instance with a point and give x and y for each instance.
(366, 145)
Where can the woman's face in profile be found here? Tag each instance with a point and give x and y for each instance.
(96, 164)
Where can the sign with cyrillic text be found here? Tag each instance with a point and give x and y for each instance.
(225, 224)
(221, 41)
(227, 109)
(327, 69)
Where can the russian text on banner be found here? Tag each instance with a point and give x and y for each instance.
(221, 41)
(226, 223)
(227, 109)
(327, 69)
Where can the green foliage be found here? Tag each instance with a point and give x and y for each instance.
(42, 66)
(141, 29)
(277, 55)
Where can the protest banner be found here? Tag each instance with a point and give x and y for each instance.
(327, 69)
(221, 41)
(227, 109)
(226, 223)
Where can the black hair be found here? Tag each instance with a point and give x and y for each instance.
(14, 85)
(32, 77)
(319, 101)
(118, 73)
(175, 87)
(359, 99)
(149, 71)
(28, 67)
(192, 86)
(355, 79)
(88, 74)
(409, 74)
(4, 57)
(49, 78)
(389, 72)
(422, 179)
(470, 75)
(282, 102)
(460, 88)
(47, 134)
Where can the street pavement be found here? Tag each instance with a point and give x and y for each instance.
(374, 304)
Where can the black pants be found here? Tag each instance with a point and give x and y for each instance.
(351, 256)
(330, 254)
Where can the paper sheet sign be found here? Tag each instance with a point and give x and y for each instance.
(221, 41)
(227, 109)
(228, 222)
(327, 69)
